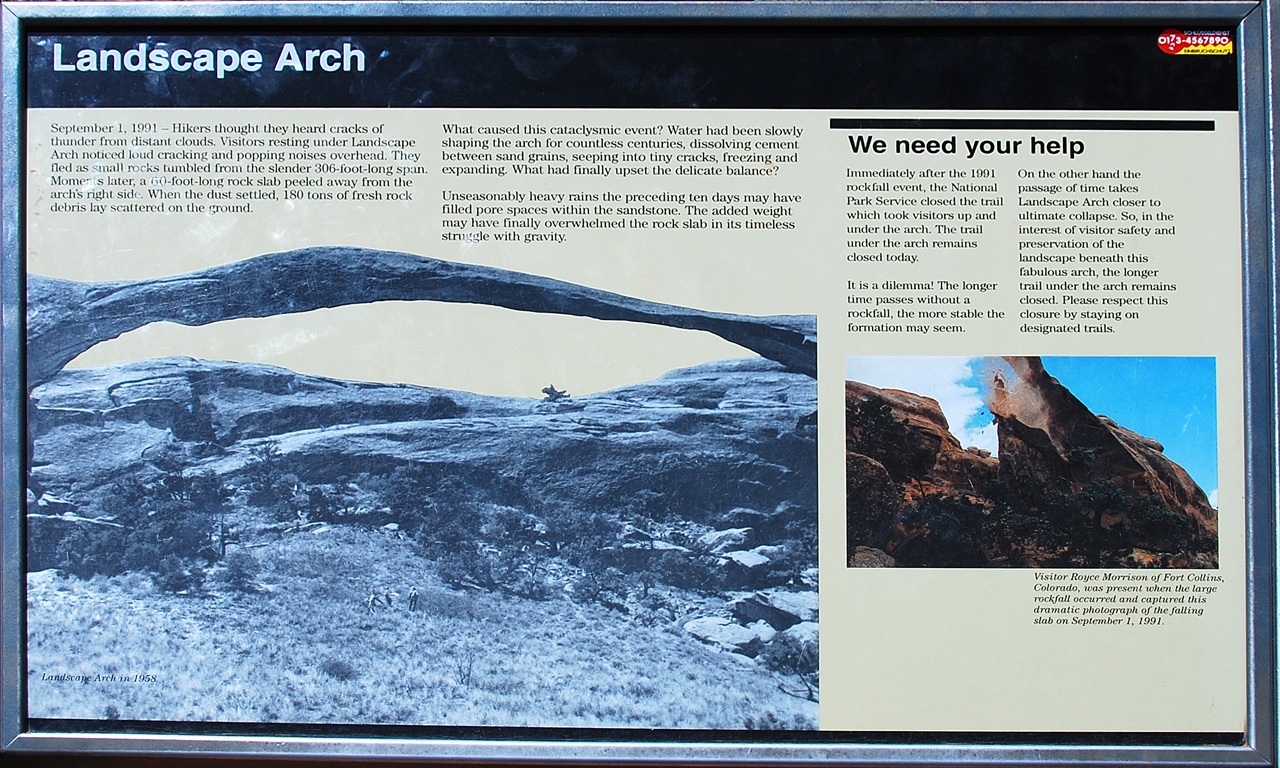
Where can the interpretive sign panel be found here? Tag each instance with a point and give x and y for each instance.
(770, 385)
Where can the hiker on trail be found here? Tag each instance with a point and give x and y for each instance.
(374, 601)
(413, 599)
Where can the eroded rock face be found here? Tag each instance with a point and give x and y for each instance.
(1053, 434)
(873, 500)
(899, 449)
(1070, 487)
(909, 435)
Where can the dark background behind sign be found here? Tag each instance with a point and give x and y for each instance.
(843, 68)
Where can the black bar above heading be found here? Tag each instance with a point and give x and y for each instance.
(954, 124)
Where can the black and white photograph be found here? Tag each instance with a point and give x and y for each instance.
(213, 540)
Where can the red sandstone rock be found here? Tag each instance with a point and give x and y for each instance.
(1070, 487)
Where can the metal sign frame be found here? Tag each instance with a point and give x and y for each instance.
(1255, 30)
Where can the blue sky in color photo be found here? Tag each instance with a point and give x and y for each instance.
(1169, 399)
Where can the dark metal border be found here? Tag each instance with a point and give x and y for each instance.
(623, 11)
(12, 629)
(1257, 121)
(1256, 35)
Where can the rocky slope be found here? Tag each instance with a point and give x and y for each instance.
(698, 440)
(1070, 487)
(703, 479)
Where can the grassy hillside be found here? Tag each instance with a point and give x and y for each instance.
(297, 642)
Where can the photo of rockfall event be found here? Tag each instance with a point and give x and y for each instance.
(234, 542)
(997, 462)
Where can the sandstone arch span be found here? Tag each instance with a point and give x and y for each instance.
(66, 318)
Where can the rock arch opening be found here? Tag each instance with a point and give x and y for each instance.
(66, 318)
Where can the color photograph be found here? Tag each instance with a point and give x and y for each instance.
(1030, 462)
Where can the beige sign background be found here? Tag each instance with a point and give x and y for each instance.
(902, 649)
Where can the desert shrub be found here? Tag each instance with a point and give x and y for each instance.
(1035, 522)
(1086, 512)
(787, 655)
(262, 474)
(176, 575)
(496, 547)
(522, 574)
(603, 585)
(951, 534)
(170, 518)
(289, 499)
(510, 528)
(464, 667)
(144, 551)
(339, 669)
(208, 496)
(85, 552)
(518, 569)
(1082, 462)
(401, 497)
(580, 535)
(655, 608)
(528, 581)
(242, 570)
(646, 579)
(699, 573)
(1018, 540)
(459, 568)
(269, 487)
(1154, 526)
(331, 503)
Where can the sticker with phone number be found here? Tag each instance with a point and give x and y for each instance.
(1203, 43)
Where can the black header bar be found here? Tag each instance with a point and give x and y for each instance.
(727, 67)
(961, 124)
